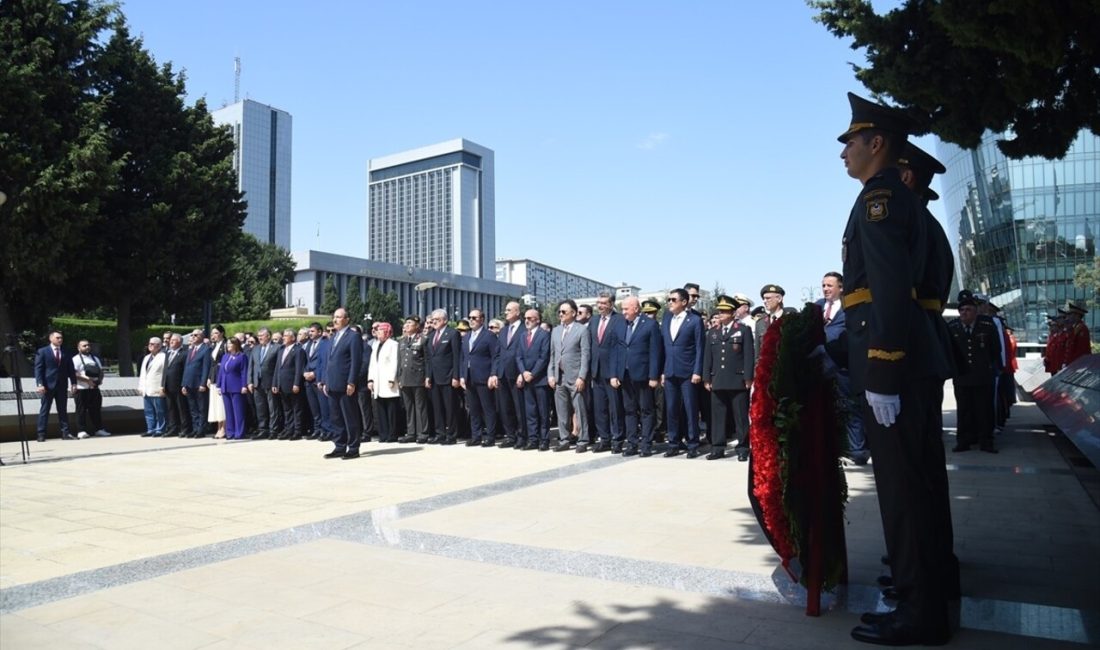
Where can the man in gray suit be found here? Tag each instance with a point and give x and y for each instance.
(569, 361)
(261, 379)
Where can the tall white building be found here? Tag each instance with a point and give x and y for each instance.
(433, 208)
(545, 283)
(262, 135)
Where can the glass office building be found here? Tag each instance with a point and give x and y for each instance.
(1020, 227)
(262, 162)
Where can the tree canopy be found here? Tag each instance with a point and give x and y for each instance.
(1025, 68)
(261, 271)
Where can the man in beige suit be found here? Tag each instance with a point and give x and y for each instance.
(568, 372)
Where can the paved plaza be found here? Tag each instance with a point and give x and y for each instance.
(130, 542)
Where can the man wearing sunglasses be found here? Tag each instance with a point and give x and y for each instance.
(570, 348)
(682, 331)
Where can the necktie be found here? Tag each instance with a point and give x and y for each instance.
(603, 326)
(57, 356)
(726, 331)
(148, 363)
(511, 332)
(263, 353)
(438, 333)
(530, 337)
(630, 330)
(191, 354)
(828, 311)
(564, 333)
(473, 337)
(771, 319)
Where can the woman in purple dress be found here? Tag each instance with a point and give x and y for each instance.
(233, 383)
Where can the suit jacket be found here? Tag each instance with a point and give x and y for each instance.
(640, 359)
(835, 327)
(217, 351)
(569, 358)
(729, 359)
(173, 369)
(411, 354)
(196, 368)
(291, 364)
(151, 375)
(479, 358)
(233, 374)
(505, 367)
(684, 354)
(50, 373)
(317, 358)
(534, 358)
(444, 356)
(261, 372)
(345, 361)
(601, 351)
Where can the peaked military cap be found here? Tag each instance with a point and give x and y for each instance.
(772, 288)
(725, 303)
(463, 325)
(924, 166)
(1072, 307)
(869, 115)
(966, 297)
(651, 306)
(414, 318)
(741, 299)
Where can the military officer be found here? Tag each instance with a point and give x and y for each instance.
(772, 295)
(650, 309)
(977, 342)
(1076, 337)
(411, 351)
(727, 374)
(895, 361)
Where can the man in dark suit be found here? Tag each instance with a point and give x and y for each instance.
(444, 358)
(978, 344)
(772, 295)
(727, 373)
(532, 361)
(261, 379)
(341, 374)
(479, 354)
(832, 288)
(316, 355)
(196, 371)
(505, 372)
(178, 422)
(607, 409)
(635, 373)
(682, 332)
(895, 361)
(53, 374)
(288, 386)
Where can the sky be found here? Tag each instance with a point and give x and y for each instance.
(645, 142)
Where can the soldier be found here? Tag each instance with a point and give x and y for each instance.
(773, 310)
(895, 360)
(1052, 357)
(410, 377)
(977, 342)
(650, 309)
(1076, 337)
(727, 374)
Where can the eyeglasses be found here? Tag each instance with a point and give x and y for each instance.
(529, 318)
(564, 311)
(672, 300)
(475, 317)
(693, 295)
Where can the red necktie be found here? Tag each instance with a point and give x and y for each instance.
(603, 326)
(57, 355)
(191, 354)
(530, 337)
(438, 333)
(828, 311)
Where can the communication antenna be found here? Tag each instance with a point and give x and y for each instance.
(236, 79)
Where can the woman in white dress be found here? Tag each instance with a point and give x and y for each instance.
(216, 412)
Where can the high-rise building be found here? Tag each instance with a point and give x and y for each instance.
(433, 208)
(547, 284)
(262, 161)
(1020, 228)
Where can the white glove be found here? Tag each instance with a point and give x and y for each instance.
(828, 366)
(886, 407)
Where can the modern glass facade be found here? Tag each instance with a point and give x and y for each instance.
(262, 136)
(432, 208)
(1020, 227)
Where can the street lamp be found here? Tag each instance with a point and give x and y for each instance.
(420, 289)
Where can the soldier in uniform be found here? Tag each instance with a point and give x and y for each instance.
(650, 309)
(410, 377)
(772, 295)
(895, 361)
(1052, 357)
(1076, 338)
(977, 342)
(728, 361)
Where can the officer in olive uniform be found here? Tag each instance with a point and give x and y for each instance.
(727, 373)
(895, 361)
(651, 308)
(772, 311)
(978, 344)
(411, 351)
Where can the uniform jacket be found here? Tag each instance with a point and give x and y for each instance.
(640, 359)
(729, 358)
(979, 351)
(411, 353)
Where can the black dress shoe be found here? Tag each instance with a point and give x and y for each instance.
(693, 453)
(472, 443)
(562, 446)
(531, 446)
(715, 454)
(488, 443)
(422, 440)
(406, 439)
(601, 447)
(582, 447)
(616, 448)
(448, 441)
(630, 451)
(645, 453)
(743, 455)
(508, 442)
(68, 436)
(335, 453)
(960, 448)
(41, 437)
(349, 455)
(674, 451)
(885, 559)
(890, 593)
(885, 581)
(889, 631)
(433, 440)
(544, 446)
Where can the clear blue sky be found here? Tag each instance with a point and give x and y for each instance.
(653, 143)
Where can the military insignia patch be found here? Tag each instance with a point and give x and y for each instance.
(877, 204)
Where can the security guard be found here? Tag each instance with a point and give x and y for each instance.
(977, 342)
(727, 373)
(895, 362)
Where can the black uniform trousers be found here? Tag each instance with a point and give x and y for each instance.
(729, 413)
(607, 411)
(911, 481)
(974, 406)
(267, 408)
(415, 400)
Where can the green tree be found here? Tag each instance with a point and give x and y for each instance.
(357, 310)
(330, 298)
(170, 227)
(1087, 277)
(261, 271)
(384, 307)
(549, 313)
(962, 67)
(55, 162)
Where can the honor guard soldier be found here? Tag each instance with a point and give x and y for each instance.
(650, 309)
(895, 362)
(978, 346)
(1076, 337)
(727, 374)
